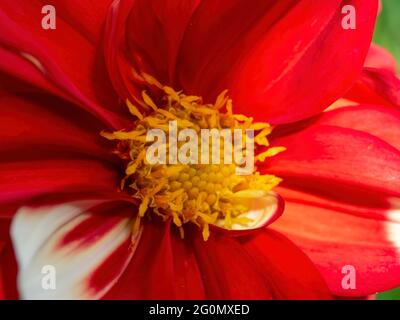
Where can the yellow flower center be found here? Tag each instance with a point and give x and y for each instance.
(201, 193)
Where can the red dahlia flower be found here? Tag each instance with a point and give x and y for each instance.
(284, 62)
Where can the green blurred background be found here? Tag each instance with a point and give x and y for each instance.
(387, 34)
(387, 31)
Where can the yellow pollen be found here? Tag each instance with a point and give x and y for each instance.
(202, 194)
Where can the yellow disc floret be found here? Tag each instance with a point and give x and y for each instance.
(203, 194)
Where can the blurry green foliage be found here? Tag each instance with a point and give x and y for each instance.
(390, 295)
(387, 34)
(387, 31)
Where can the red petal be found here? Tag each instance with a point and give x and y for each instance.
(145, 35)
(344, 185)
(340, 161)
(48, 126)
(8, 265)
(8, 273)
(39, 56)
(228, 270)
(376, 86)
(273, 56)
(86, 17)
(164, 267)
(289, 271)
(378, 57)
(22, 180)
(335, 235)
(381, 122)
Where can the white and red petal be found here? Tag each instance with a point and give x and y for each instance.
(87, 242)
(264, 209)
(163, 267)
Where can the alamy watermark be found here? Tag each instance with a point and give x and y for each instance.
(349, 278)
(48, 277)
(49, 18)
(349, 20)
(188, 147)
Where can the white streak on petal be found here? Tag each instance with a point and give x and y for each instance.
(264, 206)
(37, 234)
(34, 61)
(32, 226)
(394, 213)
(393, 230)
(393, 225)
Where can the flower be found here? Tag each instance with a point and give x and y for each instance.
(283, 62)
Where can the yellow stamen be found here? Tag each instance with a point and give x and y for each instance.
(270, 153)
(206, 232)
(149, 101)
(133, 110)
(221, 100)
(151, 80)
(202, 194)
(172, 93)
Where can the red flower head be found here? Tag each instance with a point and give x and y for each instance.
(78, 194)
